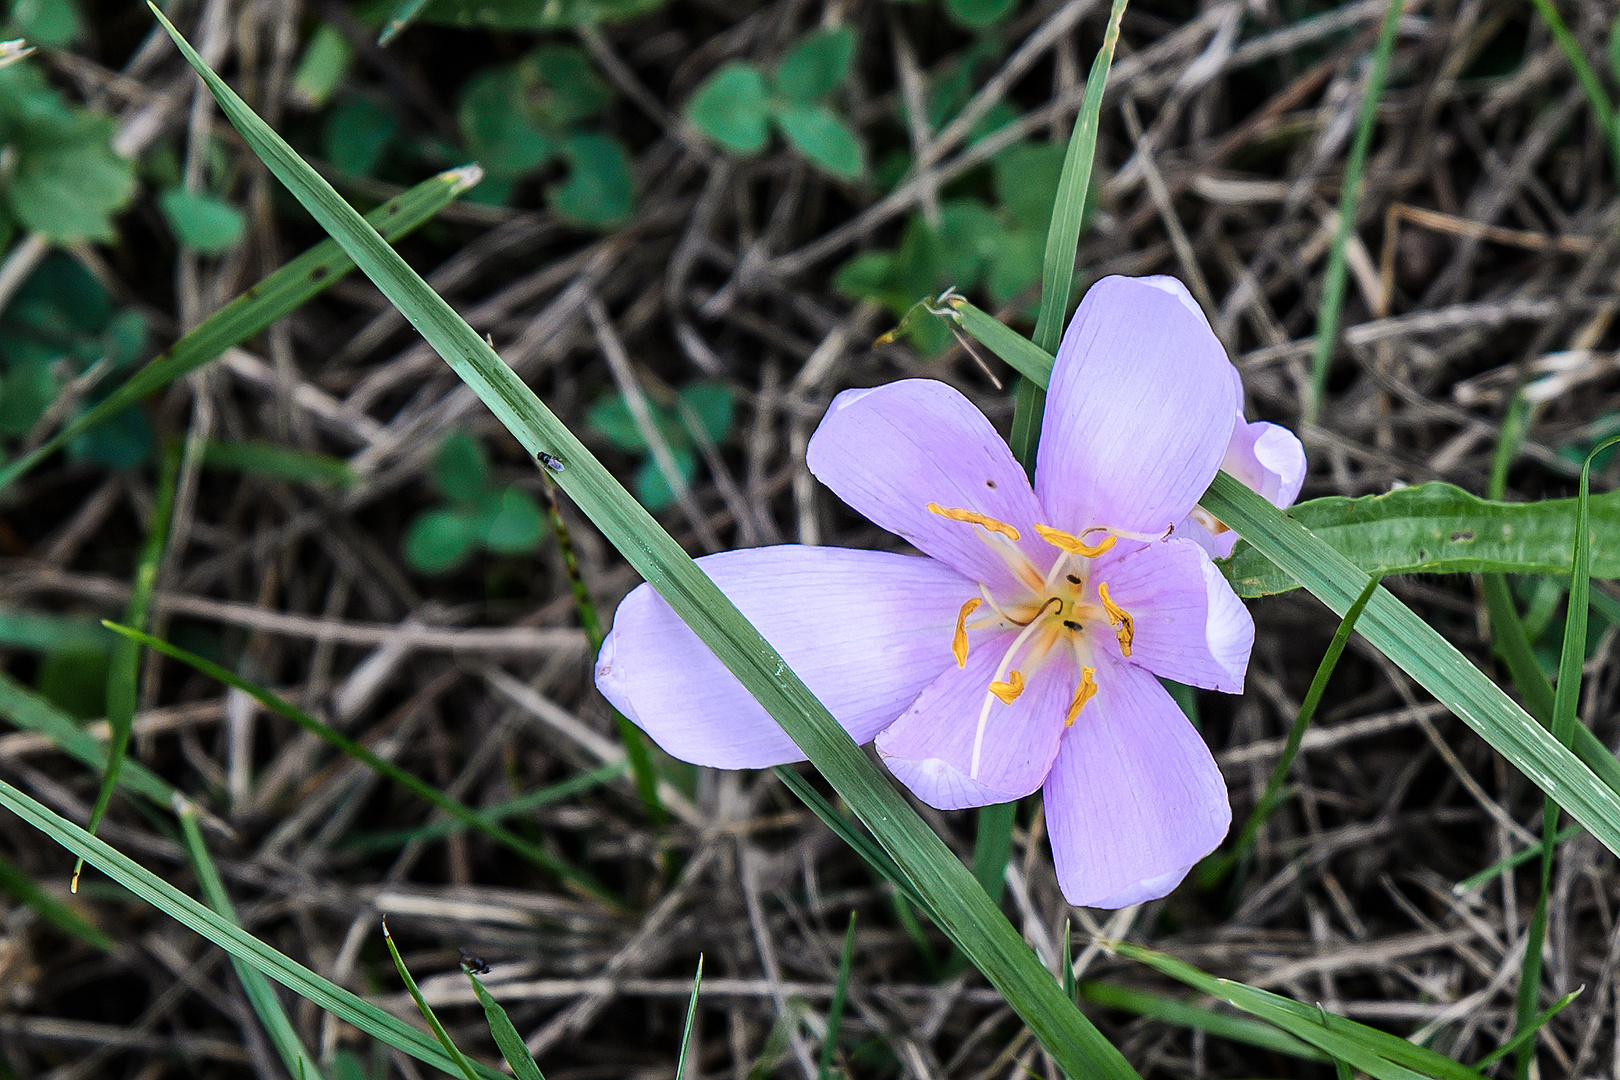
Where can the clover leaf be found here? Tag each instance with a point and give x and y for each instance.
(736, 105)
(479, 513)
(709, 405)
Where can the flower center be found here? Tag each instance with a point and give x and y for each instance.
(1054, 611)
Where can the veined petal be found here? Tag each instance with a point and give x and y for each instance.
(1134, 798)
(1269, 459)
(1189, 624)
(1139, 412)
(930, 748)
(865, 630)
(890, 451)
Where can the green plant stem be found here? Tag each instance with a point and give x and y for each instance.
(635, 746)
(1327, 316)
(1273, 796)
(124, 669)
(570, 875)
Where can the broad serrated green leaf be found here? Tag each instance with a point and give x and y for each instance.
(732, 108)
(1437, 528)
(816, 66)
(202, 221)
(822, 136)
(959, 905)
(67, 183)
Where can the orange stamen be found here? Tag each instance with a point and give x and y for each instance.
(973, 517)
(1082, 694)
(1073, 544)
(1119, 617)
(1008, 691)
(959, 641)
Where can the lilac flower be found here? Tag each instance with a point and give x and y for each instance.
(1021, 651)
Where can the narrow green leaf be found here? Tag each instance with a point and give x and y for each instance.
(1222, 1025)
(1063, 236)
(279, 294)
(1022, 354)
(691, 1015)
(959, 905)
(123, 671)
(255, 986)
(33, 713)
(1529, 1032)
(992, 847)
(277, 462)
(226, 934)
(835, 1007)
(1512, 862)
(416, 786)
(439, 1033)
(1596, 96)
(506, 1035)
(49, 907)
(1436, 528)
(1327, 314)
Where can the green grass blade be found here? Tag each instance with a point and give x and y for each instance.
(522, 804)
(1327, 314)
(1596, 96)
(227, 935)
(1420, 651)
(276, 462)
(1273, 795)
(124, 668)
(1238, 1029)
(260, 994)
(1529, 1032)
(691, 1015)
(279, 294)
(1021, 354)
(835, 1007)
(960, 907)
(405, 12)
(1512, 862)
(850, 833)
(635, 747)
(517, 1055)
(1063, 234)
(462, 1064)
(33, 713)
(992, 847)
(1565, 719)
(26, 890)
(1374, 1052)
(415, 785)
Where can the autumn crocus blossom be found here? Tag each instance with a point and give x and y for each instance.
(1021, 652)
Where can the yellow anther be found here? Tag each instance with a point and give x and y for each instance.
(1082, 694)
(1008, 691)
(959, 642)
(973, 517)
(1073, 544)
(1118, 617)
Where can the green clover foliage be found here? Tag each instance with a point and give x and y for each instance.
(738, 103)
(519, 118)
(478, 512)
(60, 323)
(712, 406)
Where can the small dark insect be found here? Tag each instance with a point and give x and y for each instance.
(553, 463)
(474, 964)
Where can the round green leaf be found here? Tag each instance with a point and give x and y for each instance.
(817, 65)
(439, 541)
(599, 192)
(610, 418)
(495, 122)
(570, 89)
(53, 23)
(202, 221)
(977, 14)
(517, 526)
(651, 487)
(356, 135)
(713, 405)
(730, 107)
(461, 468)
(823, 138)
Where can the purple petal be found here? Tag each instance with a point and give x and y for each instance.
(865, 630)
(1189, 624)
(1269, 459)
(890, 451)
(1139, 411)
(930, 748)
(1134, 799)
